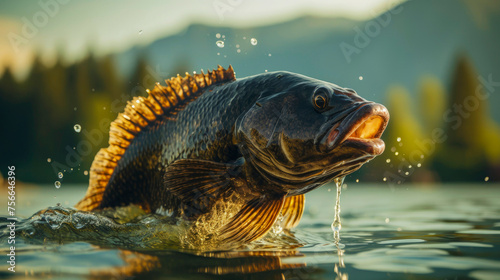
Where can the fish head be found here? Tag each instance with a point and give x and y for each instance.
(310, 132)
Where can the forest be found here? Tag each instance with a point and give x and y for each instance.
(57, 118)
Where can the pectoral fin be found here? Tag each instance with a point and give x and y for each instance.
(199, 183)
(253, 221)
(292, 211)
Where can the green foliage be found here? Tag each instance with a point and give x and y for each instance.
(432, 103)
(43, 109)
(472, 146)
(467, 148)
(403, 123)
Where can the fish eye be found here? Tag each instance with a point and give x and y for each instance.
(320, 99)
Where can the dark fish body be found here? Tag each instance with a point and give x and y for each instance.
(268, 138)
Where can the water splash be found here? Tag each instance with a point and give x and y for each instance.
(336, 225)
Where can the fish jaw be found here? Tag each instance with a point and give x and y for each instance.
(360, 130)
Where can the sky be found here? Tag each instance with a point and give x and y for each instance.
(73, 27)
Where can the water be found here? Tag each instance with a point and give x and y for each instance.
(407, 232)
(336, 225)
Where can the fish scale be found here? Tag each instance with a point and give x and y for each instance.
(257, 143)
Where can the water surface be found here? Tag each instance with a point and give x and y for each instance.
(406, 232)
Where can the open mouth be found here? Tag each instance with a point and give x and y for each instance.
(361, 129)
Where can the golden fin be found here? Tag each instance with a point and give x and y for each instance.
(292, 211)
(253, 221)
(139, 113)
(199, 183)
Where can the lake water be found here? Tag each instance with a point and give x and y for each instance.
(403, 232)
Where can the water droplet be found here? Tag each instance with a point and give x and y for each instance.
(77, 128)
(385, 179)
(104, 108)
(486, 179)
(237, 46)
(57, 184)
(140, 32)
(407, 173)
(398, 139)
(336, 224)
(388, 160)
(336, 227)
(253, 41)
(74, 109)
(218, 53)
(220, 44)
(85, 173)
(421, 156)
(238, 50)
(409, 166)
(393, 149)
(217, 35)
(396, 153)
(329, 189)
(49, 159)
(360, 78)
(269, 54)
(223, 36)
(93, 89)
(60, 175)
(357, 180)
(387, 220)
(244, 38)
(265, 70)
(401, 144)
(418, 165)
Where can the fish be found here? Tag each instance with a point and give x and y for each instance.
(258, 143)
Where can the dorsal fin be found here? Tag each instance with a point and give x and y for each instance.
(140, 112)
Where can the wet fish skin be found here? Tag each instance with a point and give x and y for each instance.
(268, 138)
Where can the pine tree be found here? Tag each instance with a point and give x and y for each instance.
(473, 137)
(432, 103)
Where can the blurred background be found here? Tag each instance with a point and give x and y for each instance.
(67, 68)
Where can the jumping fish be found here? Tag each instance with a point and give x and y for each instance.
(202, 138)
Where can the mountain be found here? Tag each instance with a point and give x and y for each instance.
(400, 46)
